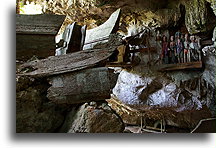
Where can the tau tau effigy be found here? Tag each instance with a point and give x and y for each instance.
(129, 66)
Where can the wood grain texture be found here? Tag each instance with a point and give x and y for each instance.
(54, 65)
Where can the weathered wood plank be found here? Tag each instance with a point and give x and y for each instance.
(66, 63)
(82, 86)
(39, 24)
(179, 66)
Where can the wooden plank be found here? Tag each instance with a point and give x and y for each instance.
(144, 50)
(179, 66)
(82, 86)
(39, 24)
(66, 63)
(206, 42)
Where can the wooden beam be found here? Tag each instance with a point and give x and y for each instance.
(179, 66)
(150, 49)
(206, 42)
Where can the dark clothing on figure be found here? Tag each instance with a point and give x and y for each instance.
(165, 52)
(179, 48)
(172, 52)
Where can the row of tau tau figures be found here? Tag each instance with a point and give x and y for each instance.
(180, 49)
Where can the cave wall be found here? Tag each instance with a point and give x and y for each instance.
(154, 13)
(37, 114)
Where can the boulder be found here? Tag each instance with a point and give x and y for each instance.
(93, 118)
(154, 90)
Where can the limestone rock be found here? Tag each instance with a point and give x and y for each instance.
(208, 76)
(213, 5)
(152, 91)
(93, 119)
(195, 17)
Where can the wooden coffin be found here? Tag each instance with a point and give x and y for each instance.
(102, 32)
(73, 39)
(35, 35)
(54, 65)
(82, 86)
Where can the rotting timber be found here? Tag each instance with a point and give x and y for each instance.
(75, 78)
(72, 75)
(81, 86)
(35, 35)
(54, 65)
(180, 66)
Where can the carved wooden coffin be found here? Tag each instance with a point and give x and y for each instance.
(102, 32)
(54, 65)
(81, 86)
(35, 35)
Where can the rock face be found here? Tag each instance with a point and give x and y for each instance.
(209, 77)
(93, 118)
(154, 13)
(36, 114)
(213, 5)
(33, 112)
(154, 91)
(196, 16)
